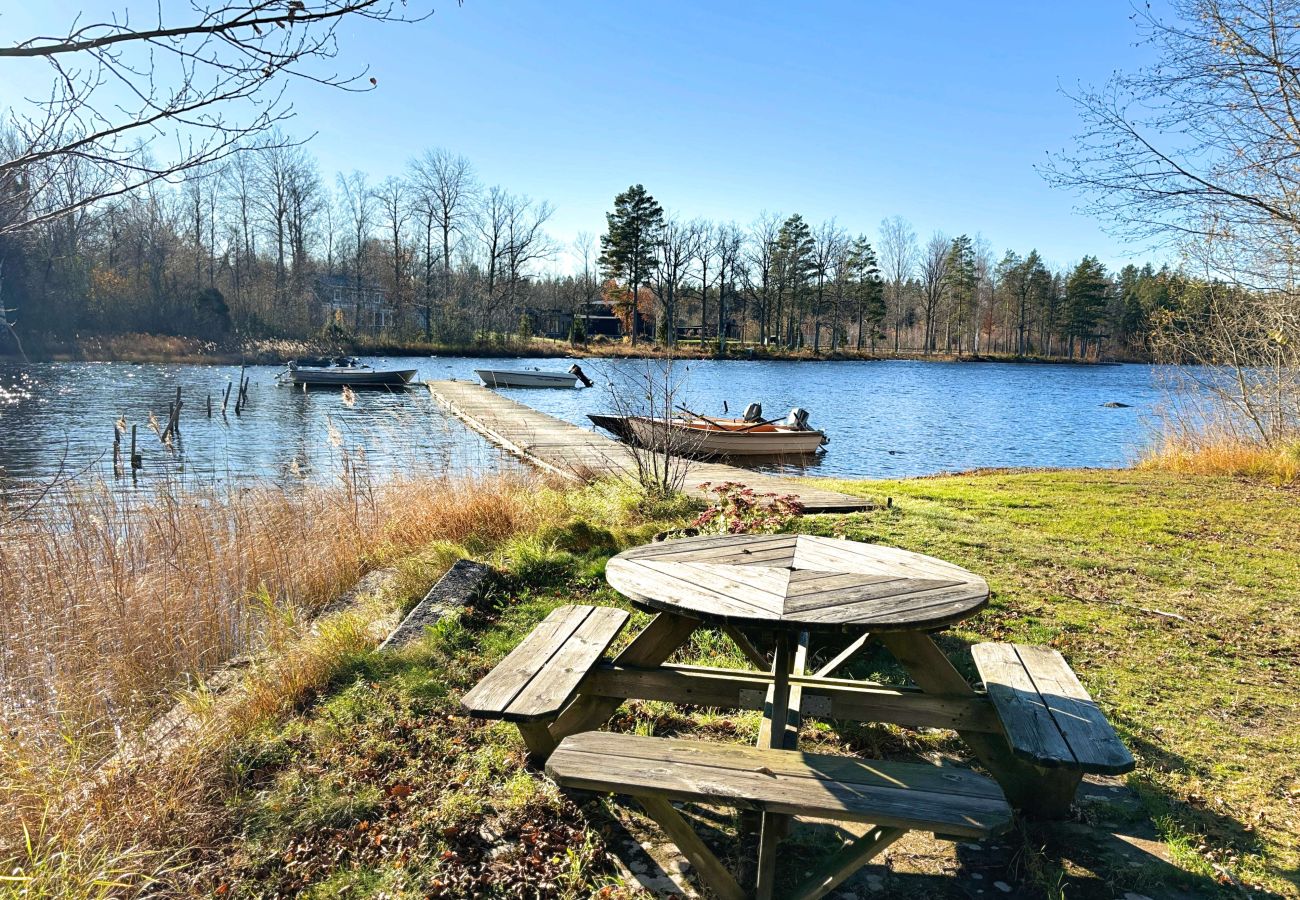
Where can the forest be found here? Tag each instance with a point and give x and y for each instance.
(266, 245)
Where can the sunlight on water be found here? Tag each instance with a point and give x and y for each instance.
(885, 419)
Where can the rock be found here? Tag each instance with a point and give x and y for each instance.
(463, 582)
(1115, 404)
(1130, 895)
(1002, 886)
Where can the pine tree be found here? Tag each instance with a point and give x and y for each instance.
(868, 290)
(628, 248)
(1086, 292)
(793, 261)
(962, 281)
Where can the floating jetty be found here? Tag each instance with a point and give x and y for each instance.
(580, 454)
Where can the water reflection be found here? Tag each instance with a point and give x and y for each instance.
(885, 419)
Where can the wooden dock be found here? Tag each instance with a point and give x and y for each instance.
(582, 454)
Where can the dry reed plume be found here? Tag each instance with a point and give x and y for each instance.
(111, 608)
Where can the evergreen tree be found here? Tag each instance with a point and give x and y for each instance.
(628, 248)
(1086, 292)
(868, 290)
(962, 280)
(793, 261)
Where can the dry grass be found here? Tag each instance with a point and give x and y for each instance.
(110, 609)
(1216, 451)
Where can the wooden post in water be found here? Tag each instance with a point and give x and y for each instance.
(117, 452)
(176, 421)
(239, 394)
(137, 461)
(209, 405)
(225, 398)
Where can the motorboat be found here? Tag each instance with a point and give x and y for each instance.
(344, 371)
(533, 378)
(705, 436)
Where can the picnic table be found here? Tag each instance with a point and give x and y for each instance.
(1034, 728)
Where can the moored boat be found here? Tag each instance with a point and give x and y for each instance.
(345, 371)
(529, 378)
(706, 437)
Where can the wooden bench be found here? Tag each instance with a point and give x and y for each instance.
(1047, 716)
(893, 797)
(540, 676)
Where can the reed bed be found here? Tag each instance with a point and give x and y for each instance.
(111, 606)
(1215, 447)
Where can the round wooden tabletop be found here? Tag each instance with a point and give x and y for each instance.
(797, 582)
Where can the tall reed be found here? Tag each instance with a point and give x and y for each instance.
(112, 605)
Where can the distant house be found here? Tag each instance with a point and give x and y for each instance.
(598, 320)
(362, 308)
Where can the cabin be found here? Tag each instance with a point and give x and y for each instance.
(363, 307)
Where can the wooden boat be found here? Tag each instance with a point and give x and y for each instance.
(345, 371)
(529, 378)
(708, 437)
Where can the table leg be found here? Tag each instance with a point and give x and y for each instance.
(1039, 792)
(779, 731)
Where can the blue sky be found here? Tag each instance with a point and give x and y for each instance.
(854, 110)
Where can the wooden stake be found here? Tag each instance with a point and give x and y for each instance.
(209, 406)
(137, 461)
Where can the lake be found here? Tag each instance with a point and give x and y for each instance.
(885, 419)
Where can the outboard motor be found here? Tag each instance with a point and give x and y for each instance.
(754, 412)
(798, 419)
(576, 369)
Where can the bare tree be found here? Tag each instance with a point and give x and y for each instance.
(729, 240)
(759, 274)
(445, 190)
(1199, 150)
(206, 83)
(511, 232)
(391, 196)
(358, 203)
(897, 262)
(934, 276)
(678, 244)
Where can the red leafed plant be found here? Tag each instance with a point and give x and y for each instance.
(739, 509)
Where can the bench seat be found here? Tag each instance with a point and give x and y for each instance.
(1047, 715)
(947, 801)
(540, 676)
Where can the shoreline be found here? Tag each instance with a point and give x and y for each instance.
(165, 349)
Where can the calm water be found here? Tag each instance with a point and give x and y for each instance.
(885, 419)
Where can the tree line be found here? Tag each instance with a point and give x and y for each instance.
(237, 249)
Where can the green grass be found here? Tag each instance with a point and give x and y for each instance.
(381, 788)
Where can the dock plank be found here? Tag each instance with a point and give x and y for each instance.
(580, 454)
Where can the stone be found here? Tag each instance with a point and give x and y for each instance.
(1002, 886)
(461, 585)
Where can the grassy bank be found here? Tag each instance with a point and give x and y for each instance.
(1172, 595)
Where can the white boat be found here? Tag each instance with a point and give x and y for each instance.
(345, 371)
(531, 378)
(708, 437)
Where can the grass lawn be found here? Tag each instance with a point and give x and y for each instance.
(1174, 597)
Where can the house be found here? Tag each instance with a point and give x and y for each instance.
(598, 319)
(363, 307)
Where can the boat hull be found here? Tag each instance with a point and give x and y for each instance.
(507, 378)
(352, 377)
(736, 439)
